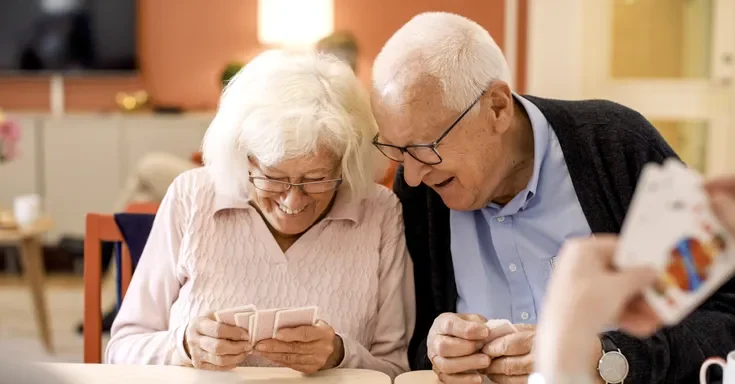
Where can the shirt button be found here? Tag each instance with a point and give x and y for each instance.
(501, 219)
(524, 315)
(512, 267)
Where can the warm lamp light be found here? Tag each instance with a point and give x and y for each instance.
(298, 23)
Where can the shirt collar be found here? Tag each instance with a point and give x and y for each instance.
(540, 127)
(344, 208)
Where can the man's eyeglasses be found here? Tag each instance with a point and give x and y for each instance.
(310, 188)
(424, 153)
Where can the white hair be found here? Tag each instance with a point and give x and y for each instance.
(284, 105)
(453, 49)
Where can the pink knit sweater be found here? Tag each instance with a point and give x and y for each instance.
(206, 252)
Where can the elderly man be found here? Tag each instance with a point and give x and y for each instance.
(492, 183)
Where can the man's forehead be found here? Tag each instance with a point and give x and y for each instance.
(410, 115)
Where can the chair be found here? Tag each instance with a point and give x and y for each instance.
(99, 227)
(121, 229)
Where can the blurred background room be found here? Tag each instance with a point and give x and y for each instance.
(104, 102)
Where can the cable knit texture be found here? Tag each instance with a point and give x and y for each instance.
(206, 252)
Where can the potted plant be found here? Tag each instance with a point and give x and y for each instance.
(9, 137)
(230, 71)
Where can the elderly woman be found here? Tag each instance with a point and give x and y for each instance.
(285, 213)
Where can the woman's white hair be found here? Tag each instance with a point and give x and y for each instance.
(284, 105)
(450, 48)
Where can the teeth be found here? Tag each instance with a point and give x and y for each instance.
(290, 211)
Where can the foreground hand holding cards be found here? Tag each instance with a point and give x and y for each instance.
(263, 324)
(671, 228)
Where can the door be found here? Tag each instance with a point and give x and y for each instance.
(672, 61)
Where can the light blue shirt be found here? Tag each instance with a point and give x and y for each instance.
(503, 255)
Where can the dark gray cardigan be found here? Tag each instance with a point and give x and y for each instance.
(605, 146)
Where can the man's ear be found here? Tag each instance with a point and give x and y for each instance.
(500, 113)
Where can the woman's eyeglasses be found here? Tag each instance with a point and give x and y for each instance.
(310, 188)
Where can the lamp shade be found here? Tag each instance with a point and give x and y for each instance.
(294, 23)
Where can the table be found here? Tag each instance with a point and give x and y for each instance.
(143, 374)
(31, 254)
(423, 377)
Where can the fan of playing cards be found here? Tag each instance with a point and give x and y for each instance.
(670, 227)
(263, 324)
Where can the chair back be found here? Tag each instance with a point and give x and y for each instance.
(98, 228)
(134, 228)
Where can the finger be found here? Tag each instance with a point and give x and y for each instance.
(212, 367)
(453, 325)
(304, 334)
(502, 379)
(208, 327)
(460, 378)
(449, 346)
(511, 366)
(631, 282)
(514, 344)
(474, 362)
(723, 207)
(222, 347)
(289, 359)
(477, 318)
(639, 319)
(277, 346)
(525, 327)
(724, 184)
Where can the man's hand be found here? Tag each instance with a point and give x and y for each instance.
(454, 344)
(512, 360)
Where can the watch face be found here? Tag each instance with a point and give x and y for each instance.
(613, 367)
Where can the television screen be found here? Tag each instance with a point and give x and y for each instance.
(68, 35)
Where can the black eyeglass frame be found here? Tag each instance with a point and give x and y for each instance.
(289, 185)
(432, 145)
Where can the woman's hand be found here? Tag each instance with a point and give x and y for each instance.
(215, 346)
(587, 293)
(722, 196)
(306, 349)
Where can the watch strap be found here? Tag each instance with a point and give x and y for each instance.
(608, 345)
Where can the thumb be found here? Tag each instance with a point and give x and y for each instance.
(724, 208)
(632, 281)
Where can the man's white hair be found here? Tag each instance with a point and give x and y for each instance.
(453, 49)
(284, 105)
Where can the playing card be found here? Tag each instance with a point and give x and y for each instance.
(294, 317)
(670, 227)
(227, 316)
(263, 326)
(242, 320)
(700, 258)
(641, 235)
(500, 327)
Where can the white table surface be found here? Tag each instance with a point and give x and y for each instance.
(142, 374)
(423, 377)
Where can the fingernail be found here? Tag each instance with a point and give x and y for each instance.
(485, 360)
(477, 379)
(479, 344)
(484, 332)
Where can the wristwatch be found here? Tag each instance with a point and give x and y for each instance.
(613, 366)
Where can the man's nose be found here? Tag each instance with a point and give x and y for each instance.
(414, 171)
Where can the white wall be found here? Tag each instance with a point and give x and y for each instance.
(555, 48)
